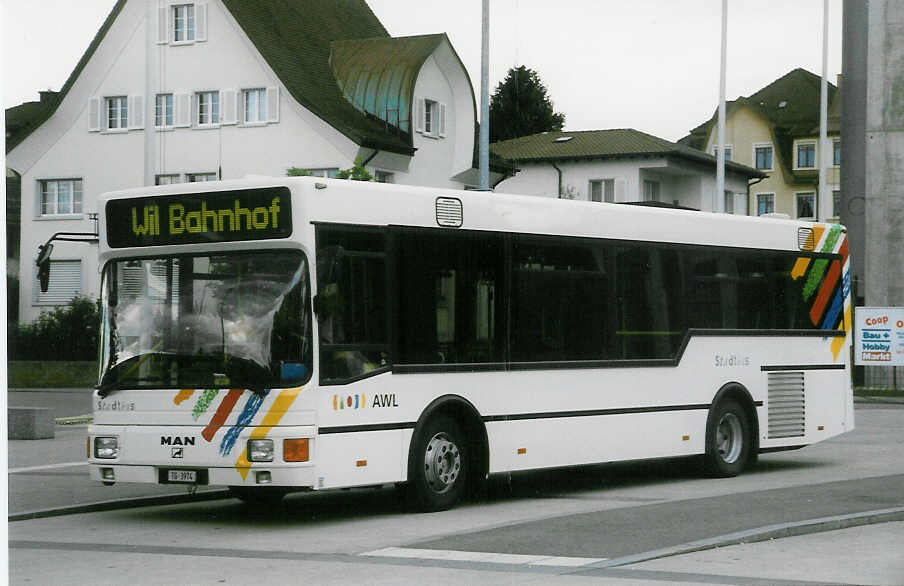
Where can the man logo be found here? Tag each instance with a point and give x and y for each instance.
(177, 452)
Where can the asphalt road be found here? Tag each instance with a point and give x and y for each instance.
(561, 526)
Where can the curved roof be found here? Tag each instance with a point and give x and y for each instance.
(377, 76)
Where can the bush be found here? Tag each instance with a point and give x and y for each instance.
(69, 332)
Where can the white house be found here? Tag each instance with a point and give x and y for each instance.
(181, 90)
(622, 165)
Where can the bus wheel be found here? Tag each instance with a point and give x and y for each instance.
(263, 497)
(727, 440)
(438, 472)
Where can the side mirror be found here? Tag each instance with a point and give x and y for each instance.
(43, 262)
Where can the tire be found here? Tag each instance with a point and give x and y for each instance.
(439, 465)
(260, 497)
(728, 440)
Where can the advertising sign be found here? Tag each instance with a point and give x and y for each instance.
(879, 335)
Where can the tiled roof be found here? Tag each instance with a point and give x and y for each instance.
(294, 37)
(601, 144)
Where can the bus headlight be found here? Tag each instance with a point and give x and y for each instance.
(260, 450)
(106, 447)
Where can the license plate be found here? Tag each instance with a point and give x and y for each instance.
(187, 476)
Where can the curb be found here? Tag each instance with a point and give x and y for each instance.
(77, 420)
(765, 533)
(126, 503)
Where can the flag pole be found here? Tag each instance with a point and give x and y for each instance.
(484, 153)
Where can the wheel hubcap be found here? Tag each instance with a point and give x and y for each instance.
(729, 438)
(442, 463)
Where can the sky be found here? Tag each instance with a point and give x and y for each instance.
(651, 65)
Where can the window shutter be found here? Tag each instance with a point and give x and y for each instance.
(195, 110)
(94, 115)
(442, 120)
(65, 283)
(162, 25)
(136, 112)
(272, 104)
(228, 99)
(620, 189)
(183, 110)
(420, 106)
(201, 22)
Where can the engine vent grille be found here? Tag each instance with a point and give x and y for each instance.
(787, 409)
(449, 212)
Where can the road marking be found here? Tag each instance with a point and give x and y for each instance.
(483, 557)
(46, 467)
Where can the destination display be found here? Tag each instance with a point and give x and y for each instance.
(222, 216)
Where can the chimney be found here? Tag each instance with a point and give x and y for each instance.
(48, 95)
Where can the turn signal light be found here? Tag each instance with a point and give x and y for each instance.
(295, 450)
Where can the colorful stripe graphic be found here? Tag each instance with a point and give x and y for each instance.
(248, 412)
(222, 413)
(183, 395)
(282, 404)
(830, 282)
(204, 402)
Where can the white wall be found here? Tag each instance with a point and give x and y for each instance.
(689, 184)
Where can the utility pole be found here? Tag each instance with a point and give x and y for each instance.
(719, 201)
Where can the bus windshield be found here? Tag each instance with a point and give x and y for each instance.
(237, 320)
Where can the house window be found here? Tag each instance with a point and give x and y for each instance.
(163, 111)
(199, 177)
(729, 202)
(836, 153)
(836, 203)
(765, 203)
(431, 118)
(183, 23)
(602, 190)
(763, 157)
(208, 111)
(65, 283)
(806, 205)
(651, 190)
(167, 179)
(61, 196)
(255, 101)
(384, 177)
(430, 108)
(806, 155)
(117, 112)
(329, 172)
(727, 152)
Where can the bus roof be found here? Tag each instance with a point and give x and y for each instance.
(322, 200)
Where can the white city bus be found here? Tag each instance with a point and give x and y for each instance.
(302, 333)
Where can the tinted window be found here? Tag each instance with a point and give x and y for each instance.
(351, 303)
(559, 301)
(648, 312)
(450, 287)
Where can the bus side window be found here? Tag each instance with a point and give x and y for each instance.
(559, 310)
(450, 296)
(650, 318)
(351, 303)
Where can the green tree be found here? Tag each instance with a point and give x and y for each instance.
(355, 173)
(521, 106)
(298, 172)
